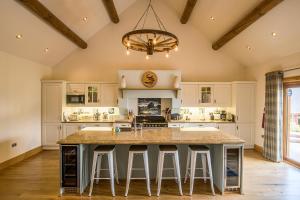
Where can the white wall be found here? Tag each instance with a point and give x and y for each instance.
(257, 73)
(105, 54)
(20, 104)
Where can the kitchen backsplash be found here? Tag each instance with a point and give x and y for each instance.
(90, 113)
(201, 113)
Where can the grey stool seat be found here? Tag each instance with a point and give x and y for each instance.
(138, 150)
(167, 147)
(99, 151)
(191, 165)
(173, 151)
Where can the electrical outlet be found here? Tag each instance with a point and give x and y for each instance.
(13, 144)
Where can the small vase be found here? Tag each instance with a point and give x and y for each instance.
(123, 82)
(176, 82)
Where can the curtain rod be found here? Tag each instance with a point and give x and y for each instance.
(291, 69)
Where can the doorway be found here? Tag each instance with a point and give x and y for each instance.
(292, 121)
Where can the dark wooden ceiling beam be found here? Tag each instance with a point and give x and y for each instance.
(254, 15)
(111, 10)
(40, 10)
(189, 6)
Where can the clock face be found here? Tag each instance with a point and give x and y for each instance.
(149, 79)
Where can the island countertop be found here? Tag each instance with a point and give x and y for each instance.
(152, 136)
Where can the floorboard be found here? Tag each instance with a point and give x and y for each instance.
(38, 178)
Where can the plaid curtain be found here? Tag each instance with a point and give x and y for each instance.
(273, 116)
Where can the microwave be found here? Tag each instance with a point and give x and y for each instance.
(75, 99)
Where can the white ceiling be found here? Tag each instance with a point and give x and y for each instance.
(283, 19)
(37, 35)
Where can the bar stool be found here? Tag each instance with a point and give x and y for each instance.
(108, 150)
(137, 150)
(165, 150)
(191, 165)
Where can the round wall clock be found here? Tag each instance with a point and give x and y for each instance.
(149, 79)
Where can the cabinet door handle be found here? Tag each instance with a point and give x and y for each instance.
(237, 127)
(215, 101)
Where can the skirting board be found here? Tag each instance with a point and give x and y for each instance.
(20, 158)
(258, 148)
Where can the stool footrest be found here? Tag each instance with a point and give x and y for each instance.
(139, 169)
(138, 178)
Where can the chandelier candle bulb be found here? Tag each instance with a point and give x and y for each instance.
(127, 52)
(147, 57)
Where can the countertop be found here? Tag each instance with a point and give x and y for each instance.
(152, 136)
(171, 121)
(200, 121)
(98, 121)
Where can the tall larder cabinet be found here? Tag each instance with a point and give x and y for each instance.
(52, 103)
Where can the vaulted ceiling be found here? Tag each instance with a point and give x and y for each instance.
(254, 46)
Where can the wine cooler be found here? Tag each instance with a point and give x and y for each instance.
(73, 168)
(232, 167)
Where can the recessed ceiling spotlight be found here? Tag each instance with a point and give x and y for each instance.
(274, 34)
(85, 19)
(46, 50)
(19, 36)
(212, 18)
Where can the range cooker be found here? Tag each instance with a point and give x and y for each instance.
(151, 121)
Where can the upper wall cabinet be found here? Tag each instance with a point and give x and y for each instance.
(189, 95)
(222, 95)
(92, 94)
(75, 88)
(243, 98)
(52, 101)
(206, 94)
(200, 95)
(109, 94)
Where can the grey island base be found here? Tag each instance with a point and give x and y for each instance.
(76, 152)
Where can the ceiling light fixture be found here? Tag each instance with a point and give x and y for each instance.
(274, 34)
(248, 47)
(46, 50)
(212, 18)
(150, 40)
(19, 36)
(84, 19)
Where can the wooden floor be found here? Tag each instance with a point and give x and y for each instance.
(37, 178)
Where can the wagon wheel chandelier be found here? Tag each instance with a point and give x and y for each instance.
(150, 40)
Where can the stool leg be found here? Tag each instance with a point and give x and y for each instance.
(93, 172)
(187, 165)
(192, 171)
(146, 165)
(158, 166)
(129, 170)
(203, 159)
(98, 168)
(175, 168)
(210, 173)
(178, 172)
(116, 167)
(111, 172)
(160, 171)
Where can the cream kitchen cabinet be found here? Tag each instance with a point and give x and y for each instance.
(229, 128)
(70, 128)
(51, 133)
(243, 101)
(189, 95)
(75, 88)
(92, 94)
(206, 95)
(245, 131)
(109, 95)
(222, 95)
(52, 102)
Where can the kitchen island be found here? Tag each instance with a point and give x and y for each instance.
(82, 144)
